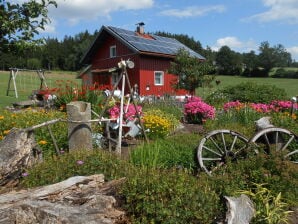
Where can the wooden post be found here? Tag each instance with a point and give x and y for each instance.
(79, 133)
(12, 77)
(118, 149)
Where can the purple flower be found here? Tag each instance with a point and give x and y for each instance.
(25, 174)
(80, 162)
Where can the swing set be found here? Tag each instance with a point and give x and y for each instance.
(15, 72)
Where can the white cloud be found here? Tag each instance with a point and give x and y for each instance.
(193, 11)
(49, 28)
(235, 44)
(75, 11)
(294, 52)
(279, 10)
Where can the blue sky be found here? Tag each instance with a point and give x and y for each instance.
(240, 24)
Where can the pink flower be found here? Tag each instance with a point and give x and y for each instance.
(233, 105)
(80, 162)
(195, 106)
(114, 112)
(130, 111)
(261, 107)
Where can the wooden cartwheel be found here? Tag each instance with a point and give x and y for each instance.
(219, 146)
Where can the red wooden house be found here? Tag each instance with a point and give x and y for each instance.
(151, 55)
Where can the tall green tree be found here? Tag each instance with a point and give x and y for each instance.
(228, 62)
(192, 72)
(20, 22)
(51, 54)
(250, 60)
(275, 56)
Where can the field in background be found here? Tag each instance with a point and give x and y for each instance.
(290, 85)
(26, 82)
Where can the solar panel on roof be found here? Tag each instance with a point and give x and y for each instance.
(159, 44)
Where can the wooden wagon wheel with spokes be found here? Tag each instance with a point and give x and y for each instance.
(219, 146)
(276, 139)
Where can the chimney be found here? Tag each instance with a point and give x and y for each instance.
(140, 28)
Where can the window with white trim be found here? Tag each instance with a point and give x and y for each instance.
(158, 78)
(113, 51)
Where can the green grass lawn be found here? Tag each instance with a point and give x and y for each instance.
(290, 85)
(26, 82)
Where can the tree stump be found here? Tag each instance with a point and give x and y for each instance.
(17, 152)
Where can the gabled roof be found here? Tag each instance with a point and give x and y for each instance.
(142, 44)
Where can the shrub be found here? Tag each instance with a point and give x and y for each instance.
(283, 73)
(251, 92)
(278, 174)
(169, 196)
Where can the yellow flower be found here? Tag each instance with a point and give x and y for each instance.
(42, 142)
(1, 117)
(6, 132)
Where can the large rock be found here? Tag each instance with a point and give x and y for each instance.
(76, 200)
(240, 210)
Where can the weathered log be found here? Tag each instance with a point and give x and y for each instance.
(76, 200)
(240, 210)
(17, 151)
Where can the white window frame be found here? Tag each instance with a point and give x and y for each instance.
(161, 78)
(113, 52)
(115, 78)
